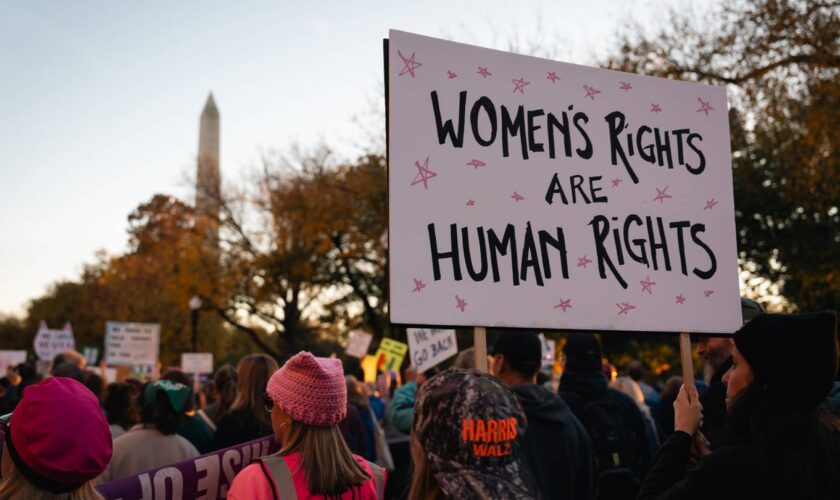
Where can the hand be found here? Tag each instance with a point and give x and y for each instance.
(688, 414)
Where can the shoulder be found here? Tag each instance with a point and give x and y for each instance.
(188, 448)
(251, 483)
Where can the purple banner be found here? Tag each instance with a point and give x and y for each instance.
(206, 477)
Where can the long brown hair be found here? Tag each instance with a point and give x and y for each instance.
(423, 483)
(327, 462)
(253, 372)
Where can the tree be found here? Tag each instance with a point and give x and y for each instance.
(781, 62)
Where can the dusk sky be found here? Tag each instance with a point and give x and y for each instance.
(100, 101)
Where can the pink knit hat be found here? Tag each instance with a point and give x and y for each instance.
(310, 390)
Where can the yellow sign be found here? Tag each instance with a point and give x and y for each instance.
(369, 367)
(393, 353)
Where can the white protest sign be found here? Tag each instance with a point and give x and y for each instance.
(430, 346)
(132, 343)
(358, 344)
(525, 192)
(48, 342)
(549, 350)
(197, 362)
(10, 358)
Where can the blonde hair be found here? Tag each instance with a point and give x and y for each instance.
(15, 485)
(423, 483)
(328, 464)
(253, 373)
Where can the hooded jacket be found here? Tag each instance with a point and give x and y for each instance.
(556, 445)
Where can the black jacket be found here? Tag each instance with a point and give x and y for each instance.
(238, 426)
(714, 406)
(556, 445)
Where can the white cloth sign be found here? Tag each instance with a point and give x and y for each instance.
(132, 343)
(430, 346)
(197, 362)
(525, 192)
(10, 358)
(48, 342)
(358, 344)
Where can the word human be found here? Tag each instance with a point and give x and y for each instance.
(536, 253)
(491, 437)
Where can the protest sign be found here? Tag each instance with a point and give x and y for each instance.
(132, 343)
(48, 342)
(525, 192)
(208, 476)
(392, 353)
(358, 344)
(91, 354)
(10, 358)
(197, 362)
(549, 350)
(430, 346)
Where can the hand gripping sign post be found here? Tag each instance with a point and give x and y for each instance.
(531, 193)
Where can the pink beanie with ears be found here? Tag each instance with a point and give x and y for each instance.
(310, 390)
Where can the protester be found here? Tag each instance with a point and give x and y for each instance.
(20, 377)
(555, 443)
(613, 420)
(401, 411)
(352, 428)
(154, 443)
(665, 412)
(69, 370)
(56, 443)
(74, 358)
(465, 359)
(636, 372)
(629, 387)
(95, 383)
(224, 392)
(357, 398)
(120, 408)
(777, 444)
(306, 399)
(195, 426)
(247, 420)
(464, 440)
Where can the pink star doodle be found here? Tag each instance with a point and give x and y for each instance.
(482, 70)
(625, 86)
(662, 195)
(423, 174)
(583, 261)
(418, 285)
(616, 182)
(462, 304)
(470, 203)
(591, 92)
(520, 85)
(476, 163)
(704, 107)
(647, 285)
(711, 204)
(552, 76)
(451, 74)
(517, 197)
(564, 304)
(680, 299)
(655, 108)
(410, 64)
(708, 293)
(624, 308)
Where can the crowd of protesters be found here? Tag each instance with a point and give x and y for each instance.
(765, 423)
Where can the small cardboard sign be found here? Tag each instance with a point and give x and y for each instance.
(197, 362)
(132, 343)
(91, 354)
(358, 344)
(549, 350)
(392, 353)
(430, 346)
(10, 358)
(48, 342)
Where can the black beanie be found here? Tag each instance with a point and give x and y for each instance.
(522, 350)
(794, 355)
(583, 353)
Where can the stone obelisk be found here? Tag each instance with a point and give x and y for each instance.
(208, 178)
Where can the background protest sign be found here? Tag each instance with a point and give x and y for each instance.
(358, 344)
(197, 362)
(10, 358)
(208, 476)
(430, 346)
(132, 343)
(48, 342)
(392, 353)
(526, 192)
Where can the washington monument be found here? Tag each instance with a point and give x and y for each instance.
(208, 179)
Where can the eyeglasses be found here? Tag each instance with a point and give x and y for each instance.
(268, 403)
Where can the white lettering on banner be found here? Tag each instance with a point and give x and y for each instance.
(208, 484)
(230, 459)
(174, 478)
(430, 346)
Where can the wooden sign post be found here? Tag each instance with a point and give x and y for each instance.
(685, 359)
(480, 346)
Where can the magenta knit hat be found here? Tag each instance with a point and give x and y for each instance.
(310, 390)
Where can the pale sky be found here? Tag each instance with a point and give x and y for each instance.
(100, 101)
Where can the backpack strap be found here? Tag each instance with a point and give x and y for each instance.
(378, 479)
(279, 474)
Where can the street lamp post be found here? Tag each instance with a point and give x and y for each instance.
(195, 307)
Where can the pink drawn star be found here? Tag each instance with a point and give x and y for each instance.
(451, 74)
(520, 84)
(625, 86)
(553, 77)
(476, 163)
(680, 299)
(517, 197)
(583, 261)
(624, 308)
(591, 92)
(708, 293)
(418, 285)
(410, 64)
(470, 203)
(647, 285)
(462, 304)
(655, 108)
(564, 304)
(482, 70)
(424, 173)
(704, 107)
(616, 182)
(711, 204)
(662, 195)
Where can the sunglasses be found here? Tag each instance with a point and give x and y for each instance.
(268, 403)
(4, 422)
